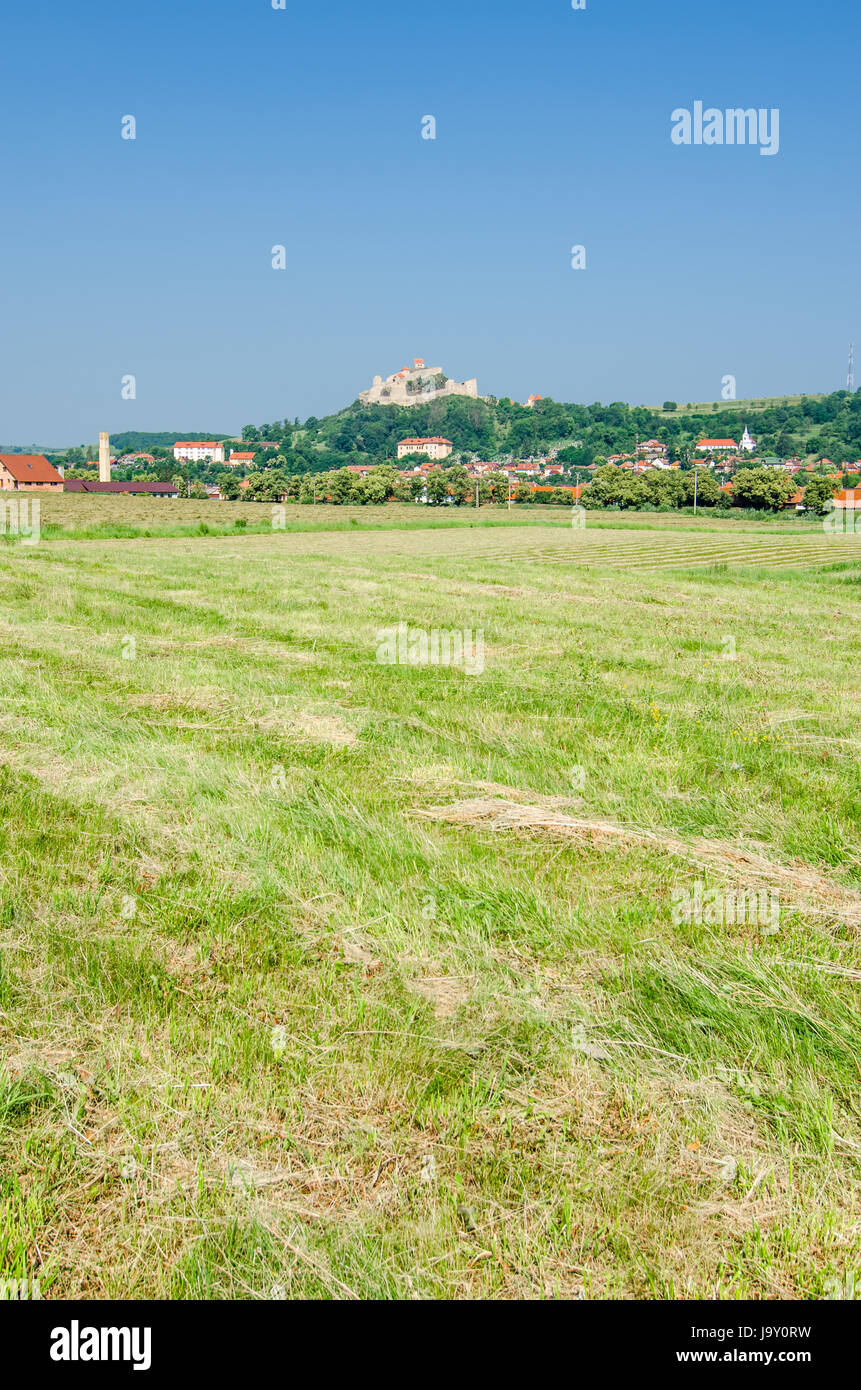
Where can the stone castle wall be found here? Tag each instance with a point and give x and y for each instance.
(422, 388)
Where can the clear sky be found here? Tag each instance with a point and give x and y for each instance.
(257, 127)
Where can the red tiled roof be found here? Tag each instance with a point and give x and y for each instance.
(84, 485)
(30, 468)
(717, 444)
(432, 439)
(197, 444)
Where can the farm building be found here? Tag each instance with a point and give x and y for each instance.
(147, 489)
(30, 471)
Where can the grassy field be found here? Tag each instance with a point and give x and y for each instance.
(324, 977)
(81, 516)
(751, 406)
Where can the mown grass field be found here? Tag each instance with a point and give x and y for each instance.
(81, 516)
(326, 978)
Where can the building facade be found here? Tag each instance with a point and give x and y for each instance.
(435, 448)
(199, 450)
(717, 446)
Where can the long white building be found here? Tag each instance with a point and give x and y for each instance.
(199, 450)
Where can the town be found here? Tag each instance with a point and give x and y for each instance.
(488, 451)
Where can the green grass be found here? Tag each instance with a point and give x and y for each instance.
(92, 517)
(271, 1031)
(752, 405)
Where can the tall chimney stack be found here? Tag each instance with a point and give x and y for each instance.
(104, 458)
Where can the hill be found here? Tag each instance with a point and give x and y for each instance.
(812, 426)
(141, 441)
(809, 425)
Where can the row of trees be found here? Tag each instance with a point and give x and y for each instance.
(611, 486)
(760, 489)
(384, 483)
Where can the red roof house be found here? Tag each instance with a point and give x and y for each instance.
(29, 471)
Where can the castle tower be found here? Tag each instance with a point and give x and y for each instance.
(104, 458)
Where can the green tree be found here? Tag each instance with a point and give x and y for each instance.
(666, 486)
(460, 486)
(786, 444)
(340, 487)
(437, 488)
(707, 488)
(764, 489)
(818, 494)
(369, 490)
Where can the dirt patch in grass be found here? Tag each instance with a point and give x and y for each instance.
(317, 728)
(445, 992)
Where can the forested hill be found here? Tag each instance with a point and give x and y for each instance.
(809, 426)
(138, 441)
(805, 425)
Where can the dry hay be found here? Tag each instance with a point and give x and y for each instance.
(445, 992)
(746, 864)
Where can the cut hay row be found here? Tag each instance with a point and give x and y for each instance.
(658, 555)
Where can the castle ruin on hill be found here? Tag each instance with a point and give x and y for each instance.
(416, 385)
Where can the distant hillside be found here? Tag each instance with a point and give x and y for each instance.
(809, 426)
(753, 405)
(805, 425)
(141, 442)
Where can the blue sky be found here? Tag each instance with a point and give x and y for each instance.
(302, 127)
